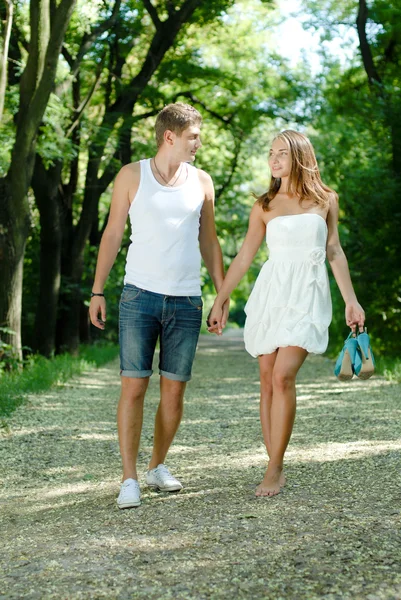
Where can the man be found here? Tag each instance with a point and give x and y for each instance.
(171, 208)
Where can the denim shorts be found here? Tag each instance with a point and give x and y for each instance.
(146, 317)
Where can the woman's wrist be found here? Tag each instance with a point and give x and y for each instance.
(220, 300)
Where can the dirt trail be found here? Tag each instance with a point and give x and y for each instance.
(334, 532)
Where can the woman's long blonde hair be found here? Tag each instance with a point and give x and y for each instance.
(305, 180)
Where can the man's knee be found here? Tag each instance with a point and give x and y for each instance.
(173, 392)
(133, 388)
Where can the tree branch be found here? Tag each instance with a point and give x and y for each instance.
(153, 13)
(367, 58)
(234, 163)
(195, 100)
(39, 20)
(59, 26)
(93, 35)
(389, 51)
(67, 56)
(110, 171)
(161, 42)
(81, 108)
(170, 8)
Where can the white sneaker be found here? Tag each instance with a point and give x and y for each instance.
(160, 478)
(130, 494)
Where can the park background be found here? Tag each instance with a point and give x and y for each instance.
(80, 86)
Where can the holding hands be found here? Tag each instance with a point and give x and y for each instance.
(218, 316)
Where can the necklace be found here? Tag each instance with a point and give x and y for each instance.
(164, 179)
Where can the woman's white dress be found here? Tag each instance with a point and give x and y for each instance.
(290, 303)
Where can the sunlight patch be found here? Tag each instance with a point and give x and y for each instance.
(96, 436)
(341, 451)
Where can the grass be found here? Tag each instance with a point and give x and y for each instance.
(390, 367)
(40, 374)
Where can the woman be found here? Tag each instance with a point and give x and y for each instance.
(289, 309)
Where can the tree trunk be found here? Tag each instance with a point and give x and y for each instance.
(4, 53)
(69, 315)
(13, 233)
(67, 328)
(47, 193)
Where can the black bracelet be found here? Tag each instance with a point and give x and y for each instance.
(92, 294)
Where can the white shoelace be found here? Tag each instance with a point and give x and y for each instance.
(127, 483)
(163, 471)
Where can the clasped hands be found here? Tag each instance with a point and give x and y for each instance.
(217, 318)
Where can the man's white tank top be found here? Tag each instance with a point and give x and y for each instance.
(164, 255)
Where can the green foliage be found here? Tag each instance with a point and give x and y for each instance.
(390, 367)
(41, 374)
(53, 144)
(9, 359)
(357, 138)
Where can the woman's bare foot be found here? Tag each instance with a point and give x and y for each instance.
(283, 479)
(272, 482)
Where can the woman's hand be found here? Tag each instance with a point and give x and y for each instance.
(354, 315)
(218, 316)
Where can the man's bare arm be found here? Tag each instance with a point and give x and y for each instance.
(125, 188)
(208, 241)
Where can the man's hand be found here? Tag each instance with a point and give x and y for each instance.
(217, 318)
(98, 305)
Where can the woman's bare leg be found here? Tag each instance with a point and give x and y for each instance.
(282, 414)
(266, 365)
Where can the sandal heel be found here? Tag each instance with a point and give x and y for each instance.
(344, 368)
(366, 367)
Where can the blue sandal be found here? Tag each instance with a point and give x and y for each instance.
(344, 369)
(365, 362)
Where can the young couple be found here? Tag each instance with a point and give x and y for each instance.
(171, 208)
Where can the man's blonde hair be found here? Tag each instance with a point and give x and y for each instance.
(176, 117)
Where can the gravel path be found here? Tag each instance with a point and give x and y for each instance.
(334, 532)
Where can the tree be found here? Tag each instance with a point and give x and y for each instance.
(48, 23)
(178, 73)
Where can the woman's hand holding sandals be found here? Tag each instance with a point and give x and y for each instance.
(354, 315)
